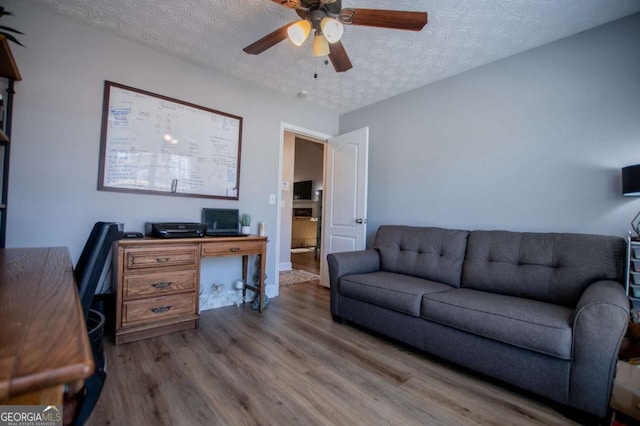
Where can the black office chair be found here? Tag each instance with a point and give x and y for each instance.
(87, 273)
(92, 261)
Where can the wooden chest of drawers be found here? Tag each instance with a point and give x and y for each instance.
(157, 288)
(157, 281)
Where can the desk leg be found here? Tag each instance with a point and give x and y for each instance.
(245, 266)
(262, 286)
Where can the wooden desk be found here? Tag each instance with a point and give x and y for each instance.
(44, 342)
(157, 281)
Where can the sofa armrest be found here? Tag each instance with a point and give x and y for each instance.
(345, 263)
(599, 324)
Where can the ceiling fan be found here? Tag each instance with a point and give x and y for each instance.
(326, 19)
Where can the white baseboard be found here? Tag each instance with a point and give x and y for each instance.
(271, 290)
(286, 266)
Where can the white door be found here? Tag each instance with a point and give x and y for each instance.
(345, 196)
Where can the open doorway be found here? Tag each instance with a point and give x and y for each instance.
(301, 208)
(344, 200)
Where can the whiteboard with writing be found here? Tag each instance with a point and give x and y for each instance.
(157, 145)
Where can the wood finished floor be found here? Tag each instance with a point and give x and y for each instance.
(306, 261)
(293, 365)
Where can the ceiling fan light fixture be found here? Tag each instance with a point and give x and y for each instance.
(320, 45)
(299, 32)
(332, 29)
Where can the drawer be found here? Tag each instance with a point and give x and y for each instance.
(158, 257)
(157, 309)
(231, 248)
(159, 284)
(635, 251)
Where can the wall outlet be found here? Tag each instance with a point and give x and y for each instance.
(272, 198)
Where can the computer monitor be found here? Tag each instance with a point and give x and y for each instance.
(221, 221)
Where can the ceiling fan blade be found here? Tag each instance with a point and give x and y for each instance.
(267, 41)
(339, 58)
(394, 19)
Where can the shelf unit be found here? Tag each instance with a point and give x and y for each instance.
(632, 284)
(8, 70)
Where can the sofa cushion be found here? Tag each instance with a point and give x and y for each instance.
(402, 293)
(530, 324)
(549, 267)
(432, 253)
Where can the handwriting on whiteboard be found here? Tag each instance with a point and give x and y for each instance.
(153, 143)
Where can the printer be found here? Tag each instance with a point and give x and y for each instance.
(175, 229)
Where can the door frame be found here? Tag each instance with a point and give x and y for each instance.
(300, 131)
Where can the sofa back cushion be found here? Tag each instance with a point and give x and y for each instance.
(432, 253)
(549, 267)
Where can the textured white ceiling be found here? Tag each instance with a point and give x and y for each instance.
(460, 35)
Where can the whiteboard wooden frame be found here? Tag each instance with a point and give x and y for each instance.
(119, 166)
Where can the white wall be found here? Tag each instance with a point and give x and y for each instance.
(309, 163)
(533, 142)
(53, 199)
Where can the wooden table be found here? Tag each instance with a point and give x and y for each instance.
(157, 281)
(44, 342)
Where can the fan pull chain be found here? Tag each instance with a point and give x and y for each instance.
(315, 67)
(315, 70)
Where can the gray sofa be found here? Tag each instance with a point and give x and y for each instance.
(543, 311)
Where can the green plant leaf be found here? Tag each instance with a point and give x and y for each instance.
(11, 38)
(5, 31)
(2, 27)
(245, 219)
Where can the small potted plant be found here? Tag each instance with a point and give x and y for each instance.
(245, 223)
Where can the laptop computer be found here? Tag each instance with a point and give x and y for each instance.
(222, 222)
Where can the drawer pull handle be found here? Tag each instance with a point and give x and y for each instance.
(234, 249)
(162, 284)
(160, 309)
(162, 259)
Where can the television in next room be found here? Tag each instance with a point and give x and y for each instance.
(302, 190)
